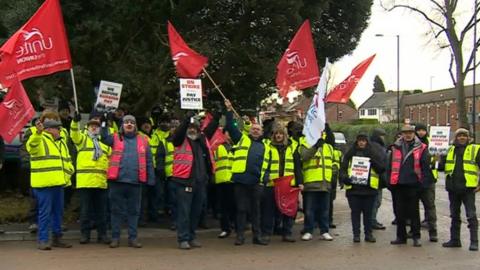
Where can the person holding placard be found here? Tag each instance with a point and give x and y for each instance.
(359, 173)
(409, 171)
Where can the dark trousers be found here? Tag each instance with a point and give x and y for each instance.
(152, 201)
(333, 196)
(93, 207)
(407, 207)
(427, 196)
(50, 211)
(287, 225)
(361, 205)
(190, 202)
(125, 201)
(268, 211)
(225, 196)
(172, 200)
(248, 198)
(466, 198)
(33, 211)
(317, 204)
(394, 202)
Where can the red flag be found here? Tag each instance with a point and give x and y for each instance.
(188, 62)
(15, 111)
(217, 139)
(206, 121)
(298, 67)
(39, 47)
(342, 92)
(286, 196)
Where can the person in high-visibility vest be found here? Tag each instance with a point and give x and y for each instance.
(409, 171)
(361, 184)
(462, 165)
(250, 162)
(92, 165)
(51, 170)
(427, 194)
(317, 177)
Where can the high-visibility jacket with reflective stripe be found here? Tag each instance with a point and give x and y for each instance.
(90, 173)
(157, 137)
(169, 149)
(241, 154)
(373, 179)
(275, 164)
(318, 168)
(223, 168)
(337, 157)
(50, 161)
(183, 159)
(470, 167)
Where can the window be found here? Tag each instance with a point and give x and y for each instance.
(372, 111)
(362, 112)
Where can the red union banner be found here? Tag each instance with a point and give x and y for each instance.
(342, 92)
(38, 48)
(286, 196)
(298, 68)
(15, 111)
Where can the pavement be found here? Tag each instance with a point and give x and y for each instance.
(18, 248)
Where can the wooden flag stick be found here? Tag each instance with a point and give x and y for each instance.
(74, 90)
(220, 91)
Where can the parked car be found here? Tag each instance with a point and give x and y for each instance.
(340, 141)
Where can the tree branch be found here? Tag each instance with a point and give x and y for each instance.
(440, 7)
(471, 23)
(471, 58)
(421, 12)
(450, 69)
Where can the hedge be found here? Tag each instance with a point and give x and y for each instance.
(351, 131)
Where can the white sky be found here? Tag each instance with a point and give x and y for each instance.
(422, 66)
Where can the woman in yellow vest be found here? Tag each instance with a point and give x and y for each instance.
(359, 173)
(92, 165)
(51, 169)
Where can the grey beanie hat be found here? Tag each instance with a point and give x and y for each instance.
(51, 123)
(129, 117)
(462, 131)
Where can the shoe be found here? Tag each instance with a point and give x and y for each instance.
(288, 238)
(134, 243)
(266, 238)
(332, 226)
(239, 241)
(33, 228)
(173, 227)
(84, 240)
(57, 242)
(398, 242)
(356, 239)
(103, 240)
(195, 244)
(370, 238)
(224, 234)
(433, 236)
(410, 235)
(326, 236)
(184, 245)
(44, 246)
(378, 226)
(259, 241)
(394, 222)
(473, 246)
(307, 237)
(424, 224)
(115, 243)
(417, 242)
(278, 231)
(452, 244)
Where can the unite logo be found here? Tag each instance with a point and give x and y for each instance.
(34, 46)
(177, 57)
(15, 108)
(295, 62)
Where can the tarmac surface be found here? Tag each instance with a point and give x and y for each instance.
(18, 249)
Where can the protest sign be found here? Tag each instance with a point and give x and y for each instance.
(108, 97)
(439, 138)
(191, 94)
(360, 169)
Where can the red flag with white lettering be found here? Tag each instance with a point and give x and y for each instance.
(342, 92)
(15, 111)
(38, 48)
(188, 62)
(298, 68)
(286, 196)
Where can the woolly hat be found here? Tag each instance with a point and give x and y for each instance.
(129, 117)
(462, 131)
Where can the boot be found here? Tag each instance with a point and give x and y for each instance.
(288, 238)
(103, 239)
(473, 246)
(57, 242)
(44, 246)
(433, 236)
(473, 226)
(115, 243)
(240, 240)
(370, 238)
(259, 241)
(452, 244)
(417, 242)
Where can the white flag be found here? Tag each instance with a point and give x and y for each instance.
(315, 119)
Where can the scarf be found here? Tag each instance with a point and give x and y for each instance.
(97, 151)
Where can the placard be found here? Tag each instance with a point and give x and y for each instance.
(108, 97)
(191, 94)
(360, 169)
(439, 139)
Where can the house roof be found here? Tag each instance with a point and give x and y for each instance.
(381, 100)
(438, 96)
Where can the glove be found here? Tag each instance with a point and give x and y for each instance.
(77, 117)
(189, 114)
(319, 143)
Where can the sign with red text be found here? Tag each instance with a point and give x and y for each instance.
(108, 97)
(360, 169)
(191, 94)
(439, 138)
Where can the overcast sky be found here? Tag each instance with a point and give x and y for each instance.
(422, 65)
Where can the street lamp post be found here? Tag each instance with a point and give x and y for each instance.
(474, 94)
(398, 77)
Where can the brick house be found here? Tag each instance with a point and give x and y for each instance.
(381, 106)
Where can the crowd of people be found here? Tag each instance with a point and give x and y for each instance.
(129, 169)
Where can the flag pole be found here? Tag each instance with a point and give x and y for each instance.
(220, 91)
(74, 90)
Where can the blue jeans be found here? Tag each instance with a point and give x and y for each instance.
(125, 200)
(50, 211)
(317, 204)
(189, 209)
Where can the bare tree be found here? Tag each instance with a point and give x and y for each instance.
(443, 18)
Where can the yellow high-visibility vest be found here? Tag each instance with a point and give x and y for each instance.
(318, 168)
(223, 168)
(470, 167)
